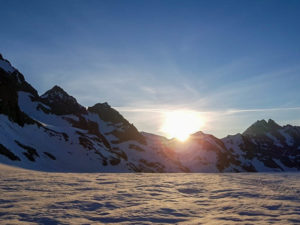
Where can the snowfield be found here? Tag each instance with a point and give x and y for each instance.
(31, 197)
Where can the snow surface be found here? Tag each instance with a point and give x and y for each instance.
(260, 166)
(77, 150)
(275, 140)
(233, 142)
(279, 163)
(288, 139)
(47, 141)
(30, 197)
(71, 156)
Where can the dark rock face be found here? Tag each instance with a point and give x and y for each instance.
(226, 159)
(61, 103)
(10, 84)
(4, 151)
(261, 127)
(30, 153)
(264, 146)
(91, 127)
(274, 146)
(50, 155)
(126, 132)
(107, 114)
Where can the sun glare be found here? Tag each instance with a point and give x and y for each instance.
(180, 124)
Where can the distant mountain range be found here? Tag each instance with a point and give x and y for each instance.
(53, 132)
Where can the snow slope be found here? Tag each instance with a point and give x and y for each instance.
(53, 132)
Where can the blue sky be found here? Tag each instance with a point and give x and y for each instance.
(232, 61)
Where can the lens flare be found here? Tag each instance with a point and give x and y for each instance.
(181, 124)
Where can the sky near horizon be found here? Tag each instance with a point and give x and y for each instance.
(233, 62)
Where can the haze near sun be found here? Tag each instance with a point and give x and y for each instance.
(180, 124)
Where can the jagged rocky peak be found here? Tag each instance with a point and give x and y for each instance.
(57, 93)
(108, 114)
(61, 102)
(261, 127)
(6, 66)
(12, 82)
(12, 79)
(273, 125)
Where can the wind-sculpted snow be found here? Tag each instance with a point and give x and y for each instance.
(29, 197)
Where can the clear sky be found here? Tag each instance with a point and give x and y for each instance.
(234, 62)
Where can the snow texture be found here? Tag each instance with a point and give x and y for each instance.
(29, 197)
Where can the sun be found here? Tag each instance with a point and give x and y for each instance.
(180, 124)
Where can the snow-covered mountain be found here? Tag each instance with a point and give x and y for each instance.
(53, 132)
(266, 146)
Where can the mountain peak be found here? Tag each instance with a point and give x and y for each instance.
(57, 88)
(107, 113)
(262, 127)
(6, 66)
(198, 133)
(57, 92)
(61, 102)
(273, 125)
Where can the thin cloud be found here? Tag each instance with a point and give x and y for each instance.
(133, 109)
(230, 111)
(233, 111)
